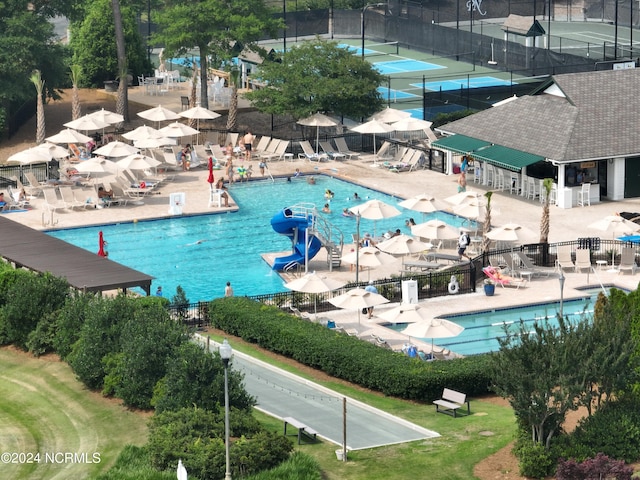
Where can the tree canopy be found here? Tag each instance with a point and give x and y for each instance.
(318, 76)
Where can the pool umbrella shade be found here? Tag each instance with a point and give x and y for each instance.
(423, 203)
(475, 210)
(463, 197)
(616, 226)
(53, 150)
(512, 232)
(402, 245)
(407, 313)
(116, 149)
(368, 257)
(159, 114)
(142, 133)
(107, 117)
(153, 142)
(410, 124)
(69, 135)
(435, 230)
(95, 165)
(317, 120)
(29, 156)
(87, 124)
(314, 284)
(177, 130)
(101, 244)
(375, 210)
(358, 298)
(373, 126)
(390, 115)
(210, 178)
(199, 113)
(137, 162)
(433, 328)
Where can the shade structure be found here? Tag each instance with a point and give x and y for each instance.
(87, 123)
(101, 244)
(314, 284)
(210, 177)
(615, 225)
(137, 162)
(411, 124)
(402, 245)
(69, 135)
(512, 232)
(116, 149)
(373, 127)
(154, 142)
(368, 257)
(199, 113)
(142, 133)
(358, 298)
(433, 328)
(475, 209)
(407, 313)
(53, 150)
(95, 165)
(177, 130)
(390, 115)
(463, 197)
(317, 120)
(159, 114)
(110, 118)
(375, 210)
(29, 156)
(435, 230)
(423, 203)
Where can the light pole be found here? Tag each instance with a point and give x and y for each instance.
(357, 247)
(364, 9)
(225, 351)
(561, 280)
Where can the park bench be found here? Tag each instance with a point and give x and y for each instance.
(302, 428)
(451, 401)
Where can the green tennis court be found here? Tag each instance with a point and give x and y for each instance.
(458, 83)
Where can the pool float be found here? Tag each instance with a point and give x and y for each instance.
(454, 286)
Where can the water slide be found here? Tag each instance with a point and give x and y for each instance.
(293, 223)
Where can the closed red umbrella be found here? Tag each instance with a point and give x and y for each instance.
(101, 252)
(210, 178)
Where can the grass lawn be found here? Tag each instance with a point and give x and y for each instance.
(45, 410)
(464, 440)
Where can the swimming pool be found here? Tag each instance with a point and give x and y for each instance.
(481, 329)
(201, 253)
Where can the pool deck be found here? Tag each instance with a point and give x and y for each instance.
(566, 224)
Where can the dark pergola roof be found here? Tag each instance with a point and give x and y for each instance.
(524, 26)
(37, 251)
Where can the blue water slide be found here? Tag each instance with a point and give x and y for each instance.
(294, 225)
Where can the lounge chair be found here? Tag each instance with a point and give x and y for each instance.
(279, 152)
(51, 200)
(583, 260)
(270, 149)
(104, 201)
(341, 144)
(261, 147)
(512, 265)
(333, 155)
(69, 198)
(628, 260)
(564, 260)
(528, 265)
(309, 154)
(503, 280)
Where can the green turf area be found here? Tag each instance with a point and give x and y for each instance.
(44, 410)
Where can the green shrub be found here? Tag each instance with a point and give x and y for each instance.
(298, 466)
(534, 461)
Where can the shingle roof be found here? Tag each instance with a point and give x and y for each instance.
(599, 118)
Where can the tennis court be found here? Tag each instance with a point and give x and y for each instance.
(468, 82)
(393, 94)
(404, 66)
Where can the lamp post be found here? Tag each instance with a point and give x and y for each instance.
(561, 280)
(364, 9)
(225, 351)
(357, 247)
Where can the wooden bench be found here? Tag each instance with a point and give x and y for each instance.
(302, 428)
(451, 401)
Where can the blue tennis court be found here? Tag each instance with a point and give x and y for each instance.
(458, 83)
(405, 66)
(394, 94)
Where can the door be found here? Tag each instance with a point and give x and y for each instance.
(602, 178)
(632, 177)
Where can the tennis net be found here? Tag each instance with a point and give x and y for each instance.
(376, 49)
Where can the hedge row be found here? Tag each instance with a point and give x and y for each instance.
(345, 357)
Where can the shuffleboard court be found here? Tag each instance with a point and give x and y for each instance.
(405, 66)
(458, 83)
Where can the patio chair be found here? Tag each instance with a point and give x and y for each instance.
(51, 200)
(333, 155)
(278, 153)
(260, 147)
(270, 149)
(69, 198)
(341, 144)
(503, 280)
(310, 154)
(583, 260)
(627, 260)
(528, 265)
(564, 260)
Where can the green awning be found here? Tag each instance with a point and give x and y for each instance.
(507, 158)
(460, 144)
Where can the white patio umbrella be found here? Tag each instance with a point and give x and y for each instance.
(390, 115)
(374, 126)
(423, 203)
(475, 210)
(53, 150)
(402, 245)
(317, 120)
(514, 234)
(69, 135)
(435, 230)
(154, 142)
(159, 114)
(407, 313)
(199, 113)
(137, 162)
(107, 116)
(29, 156)
(177, 130)
(369, 257)
(433, 328)
(142, 133)
(616, 226)
(411, 124)
(96, 165)
(375, 210)
(314, 284)
(87, 123)
(463, 197)
(116, 149)
(358, 298)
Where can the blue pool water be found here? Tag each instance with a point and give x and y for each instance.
(201, 253)
(483, 328)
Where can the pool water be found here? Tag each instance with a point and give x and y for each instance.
(481, 329)
(201, 253)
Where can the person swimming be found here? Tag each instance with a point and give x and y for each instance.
(347, 213)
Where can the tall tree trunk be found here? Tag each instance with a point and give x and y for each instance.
(547, 185)
(486, 241)
(36, 79)
(193, 95)
(232, 118)
(76, 72)
(204, 86)
(122, 101)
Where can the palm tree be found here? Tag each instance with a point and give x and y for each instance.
(36, 79)
(193, 95)
(76, 72)
(122, 100)
(234, 79)
(487, 223)
(547, 185)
